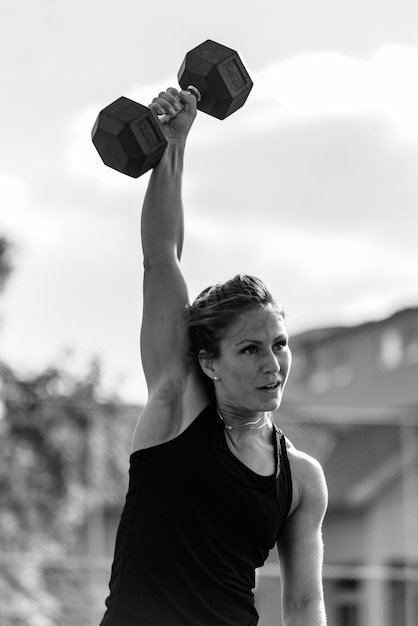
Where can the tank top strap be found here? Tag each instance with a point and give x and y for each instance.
(276, 445)
(283, 465)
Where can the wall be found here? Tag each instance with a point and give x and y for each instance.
(374, 364)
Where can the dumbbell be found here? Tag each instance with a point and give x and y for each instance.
(129, 137)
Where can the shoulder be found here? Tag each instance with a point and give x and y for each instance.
(169, 410)
(310, 492)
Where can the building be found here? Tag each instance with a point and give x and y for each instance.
(370, 365)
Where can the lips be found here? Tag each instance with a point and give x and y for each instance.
(271, 386)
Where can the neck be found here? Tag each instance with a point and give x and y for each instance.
(257, 423)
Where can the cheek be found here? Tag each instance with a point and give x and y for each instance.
(239, 372)
(286, 363)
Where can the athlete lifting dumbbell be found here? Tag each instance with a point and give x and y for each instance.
(128, 136)
(214, 484)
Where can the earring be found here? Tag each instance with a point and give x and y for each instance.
(216, 378)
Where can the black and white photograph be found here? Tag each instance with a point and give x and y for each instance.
(209, 313)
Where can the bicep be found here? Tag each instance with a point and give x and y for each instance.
(300, 545)
(163, 335)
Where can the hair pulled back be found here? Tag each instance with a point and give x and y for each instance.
(218, 307)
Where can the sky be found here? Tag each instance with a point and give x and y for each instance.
(312, 185)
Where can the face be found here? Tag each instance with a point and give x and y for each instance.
(254, 362)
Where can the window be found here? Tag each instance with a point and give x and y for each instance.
(391, 349)
(396, 599)
(347, 597)
(321, 381)
(331, 370)
(403, 602)
(347, 615)
(411, 347)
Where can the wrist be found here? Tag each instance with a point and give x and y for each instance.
(171, 163)
(176, 143)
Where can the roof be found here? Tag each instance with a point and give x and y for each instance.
(319, 335)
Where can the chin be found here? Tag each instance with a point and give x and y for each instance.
(276, 404)
(271, 405)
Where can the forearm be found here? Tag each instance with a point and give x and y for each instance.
(310, 614)
(162, 223)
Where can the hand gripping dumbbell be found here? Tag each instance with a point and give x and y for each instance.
(129, 137)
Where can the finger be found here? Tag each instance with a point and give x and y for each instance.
(189, 100)
(156, 108)
(173, 92)
(168, 102)
(172, 97)
(161, 106)
(164, 119)
(159, 111)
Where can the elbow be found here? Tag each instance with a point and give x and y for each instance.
(160, 258)
(157, 262)
(310, 610)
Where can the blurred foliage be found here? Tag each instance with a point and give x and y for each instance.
(43, 456)
(24, 599)
(5, 261)
(54, 434)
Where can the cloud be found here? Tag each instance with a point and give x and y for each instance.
(35, 228)
(305, 88)
(314, 86)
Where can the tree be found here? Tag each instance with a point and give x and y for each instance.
(43, 452)
(5, 261)
(47, 483)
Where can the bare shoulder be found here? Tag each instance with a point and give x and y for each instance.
(308, 482)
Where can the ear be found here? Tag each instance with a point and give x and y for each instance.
(207, 364)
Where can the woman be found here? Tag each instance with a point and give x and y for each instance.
(214, 485)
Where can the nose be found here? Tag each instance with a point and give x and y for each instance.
(271, 363)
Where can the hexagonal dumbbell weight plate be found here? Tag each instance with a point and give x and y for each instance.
(128, 137)
(219, 75)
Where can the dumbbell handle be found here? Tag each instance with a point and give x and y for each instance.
(194, 90)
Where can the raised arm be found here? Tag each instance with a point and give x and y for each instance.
(163, 339)
(162, 231)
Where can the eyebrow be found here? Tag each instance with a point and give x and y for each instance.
(257, 342)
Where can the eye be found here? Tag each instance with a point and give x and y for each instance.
(281, 345)
(251, 349)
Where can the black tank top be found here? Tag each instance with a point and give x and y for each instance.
(196, 524)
